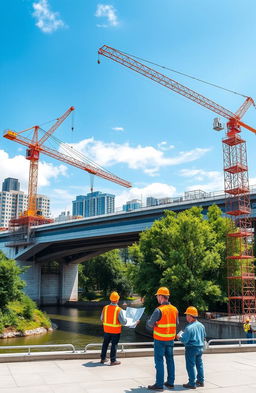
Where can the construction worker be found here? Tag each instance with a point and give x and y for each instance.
(163, 321)
(193, 338)
(113, 319)
(248, 330)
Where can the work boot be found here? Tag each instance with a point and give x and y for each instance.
(168, 385)
(115, 363)
(188, 386)
(104, 361)
(200, 384)
(155, 387)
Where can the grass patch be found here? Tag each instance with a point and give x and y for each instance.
(23, 315)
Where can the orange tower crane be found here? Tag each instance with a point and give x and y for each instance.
(35, 146)
(240, 260)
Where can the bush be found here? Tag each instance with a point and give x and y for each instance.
(11, 284)
(90, 295)
(29, 307)
(10, 319)
(1, 322)
(42, 318)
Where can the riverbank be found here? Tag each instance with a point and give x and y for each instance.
(10, 333)
(21, 318)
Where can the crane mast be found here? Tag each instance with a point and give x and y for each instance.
(240, 259)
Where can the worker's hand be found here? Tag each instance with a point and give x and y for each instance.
(137, 322)
(124, 305)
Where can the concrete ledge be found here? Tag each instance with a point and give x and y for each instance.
(128, 353)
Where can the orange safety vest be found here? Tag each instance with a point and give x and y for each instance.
(165, 328)
(110, 319)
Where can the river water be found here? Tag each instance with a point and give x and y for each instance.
(74, 326)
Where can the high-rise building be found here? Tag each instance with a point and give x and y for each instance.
(151, 201)
(63, 216)
(132, 205)
(43, 205)
(93, 204)
(11, 184)
(13, 202)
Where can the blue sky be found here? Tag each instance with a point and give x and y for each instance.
(141, 131)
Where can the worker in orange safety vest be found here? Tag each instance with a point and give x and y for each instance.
(163, 321)
(113, 319)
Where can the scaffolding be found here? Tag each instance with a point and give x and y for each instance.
(240, 259)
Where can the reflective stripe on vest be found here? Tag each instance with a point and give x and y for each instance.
(110, 319)
(165, 328)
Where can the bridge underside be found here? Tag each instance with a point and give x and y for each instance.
(78, 250)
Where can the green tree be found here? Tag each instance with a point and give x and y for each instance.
(105, 272)
(186, 253)
(11, 284)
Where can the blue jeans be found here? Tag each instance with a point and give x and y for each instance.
(249, 335)
(194, 362)
(164, 349)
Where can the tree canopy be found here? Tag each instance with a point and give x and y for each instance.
(186, 253)
(11, 284)
(106, 272)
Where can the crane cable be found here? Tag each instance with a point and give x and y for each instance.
(187, 75)
(69, 150)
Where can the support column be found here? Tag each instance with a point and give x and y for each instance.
(69, 283)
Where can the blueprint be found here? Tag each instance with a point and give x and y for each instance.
(133, 315)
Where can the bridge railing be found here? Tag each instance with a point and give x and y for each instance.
(122, 347)
(29, 347)
(238, 341)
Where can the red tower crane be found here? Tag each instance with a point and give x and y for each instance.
(240, 259)
(35, 146)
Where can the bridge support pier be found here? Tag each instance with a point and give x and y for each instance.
(53, 283)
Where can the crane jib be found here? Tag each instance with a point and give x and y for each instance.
(175, 86)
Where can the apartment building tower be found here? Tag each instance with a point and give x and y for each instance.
(93, 204)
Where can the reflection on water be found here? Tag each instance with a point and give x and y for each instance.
(74, 326)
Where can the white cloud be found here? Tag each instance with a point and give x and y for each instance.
(109, 12)
(156, 190)
(46, 20)
(18, 167)
(164, 146)
(61, 200)
(208, 181)
(204, 180)
(145, 158)
(118, 128)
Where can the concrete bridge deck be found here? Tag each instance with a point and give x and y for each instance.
(225, 373)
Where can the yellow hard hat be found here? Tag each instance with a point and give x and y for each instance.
(163, 291)
(191, 311)
(114, 297)
(247, 319)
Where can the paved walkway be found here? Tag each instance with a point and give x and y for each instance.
(225, 373)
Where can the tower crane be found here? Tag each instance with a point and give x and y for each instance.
(240, 266)
(35, 146)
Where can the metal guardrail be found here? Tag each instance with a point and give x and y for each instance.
(131, 344)
(239, 341)
(124, 346)
(38, 346)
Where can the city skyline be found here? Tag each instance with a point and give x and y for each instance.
(14, 202)
(138, 130)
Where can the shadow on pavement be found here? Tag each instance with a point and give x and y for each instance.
(139, 389)
(95, 364)
(144, 389)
